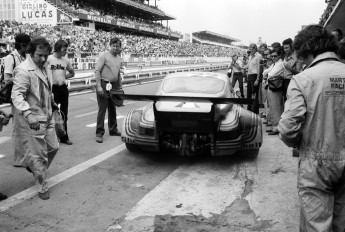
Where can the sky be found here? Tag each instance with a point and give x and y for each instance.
(246, 20)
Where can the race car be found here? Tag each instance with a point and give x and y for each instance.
(193, 113)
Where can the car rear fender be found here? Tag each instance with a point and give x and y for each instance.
(130, 125)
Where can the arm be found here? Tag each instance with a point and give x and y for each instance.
(99, 66)
(8, 71)
(21, 85)
(293, 117)
(70, 70)
(258, 70)
(291, 65)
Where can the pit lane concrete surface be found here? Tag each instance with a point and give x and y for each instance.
(104, 187)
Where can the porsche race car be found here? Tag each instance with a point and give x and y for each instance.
(193, 113)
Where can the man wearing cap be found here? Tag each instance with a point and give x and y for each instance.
(11, 61)
(108, 78)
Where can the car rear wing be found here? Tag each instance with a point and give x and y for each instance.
(155, 98)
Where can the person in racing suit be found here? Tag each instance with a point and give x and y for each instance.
(314, 122)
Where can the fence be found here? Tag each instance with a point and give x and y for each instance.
(141, 75)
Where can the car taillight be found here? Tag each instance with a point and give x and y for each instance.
(146, 131)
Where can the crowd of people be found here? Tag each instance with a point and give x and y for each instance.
(106, 9)
(299, 85)
(85, 41)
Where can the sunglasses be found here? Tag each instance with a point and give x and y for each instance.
(274, 56)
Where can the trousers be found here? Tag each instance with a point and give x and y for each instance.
(61, 95)
(253, 90)
(238, 76)
(321, 191)
(104, 103)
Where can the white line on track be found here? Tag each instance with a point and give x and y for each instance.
(94, 112)
(86, 114)
(4, 139)
(2, 156)
(30, 192)
(105, 121)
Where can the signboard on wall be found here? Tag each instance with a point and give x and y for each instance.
(63, 18)
(37, 11)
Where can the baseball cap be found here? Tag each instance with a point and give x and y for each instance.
(22, 38)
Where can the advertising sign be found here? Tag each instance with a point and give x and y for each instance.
(37, 11)
(162, 32)
(63, 18)
(122, 24)
(99, 19)
(142, 28)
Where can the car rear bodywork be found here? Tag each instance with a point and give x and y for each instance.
(191, 122)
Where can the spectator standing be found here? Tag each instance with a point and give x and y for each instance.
(4, 119)
(32, 97)
(266, 65)
(11, 61)
(237, 75)
(290, 65)
(108, 77)
(58, 65)
(276, 97)
(254, 72)
(313, 121)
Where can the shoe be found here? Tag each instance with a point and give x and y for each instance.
(2, 197)
(273, 133)
(28, 169)
(115, 133)
(68, 142)
(269, 124)
(44, 196)
(269, 130)
(99, 139)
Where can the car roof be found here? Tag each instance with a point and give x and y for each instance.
(220, 76)
(223, 77)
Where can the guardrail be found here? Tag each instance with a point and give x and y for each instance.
(137, 77)
(141, 75)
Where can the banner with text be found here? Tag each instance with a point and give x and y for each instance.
(37, 11)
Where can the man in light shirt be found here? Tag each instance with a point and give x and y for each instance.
(108, 78)
(59, 64)
(254, 73)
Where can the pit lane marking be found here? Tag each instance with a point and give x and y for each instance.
(86, 114)
(30, 192)
(205, 189)
(105, 121)
(96, 111)
(4, 139)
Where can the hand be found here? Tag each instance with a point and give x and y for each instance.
(55, 106)
(99, 90)
(256, 83)
(33, 122)
(4, 119)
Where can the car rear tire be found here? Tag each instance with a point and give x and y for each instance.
(132, 147)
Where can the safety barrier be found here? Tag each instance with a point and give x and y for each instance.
(141, 75)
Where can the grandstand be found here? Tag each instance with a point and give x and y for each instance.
(126, 16)
(212, 38)
(88, 26)
(333, 16)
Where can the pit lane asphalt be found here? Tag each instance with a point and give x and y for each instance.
(116, 192)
